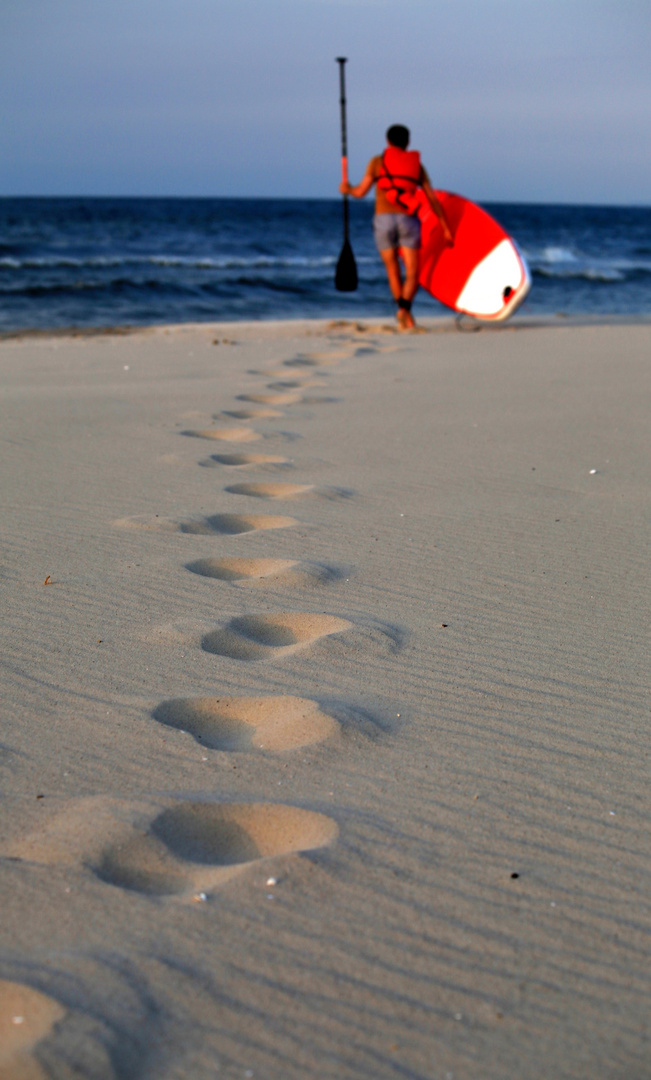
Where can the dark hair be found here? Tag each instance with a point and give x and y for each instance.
(398, 135)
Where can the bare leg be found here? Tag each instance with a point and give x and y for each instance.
(409, 257)
(410, 286)
(390, 259)
(394, 274)
(400, 289)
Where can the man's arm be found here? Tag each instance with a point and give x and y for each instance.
(358, 191)
(438, 210)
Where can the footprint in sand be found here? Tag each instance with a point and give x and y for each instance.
(26, 1017)
(228, 434)
(192, 847)
(249, 724)
(306, 362)
(317, 359)
(234, 524)
(252, 414)
(260, 489)
(179, 848)
(270, 489)
(239, 460)
(279, 372)
(303, 383)
(287, 398)
(263, 572)
(269, 637)
(224, 524)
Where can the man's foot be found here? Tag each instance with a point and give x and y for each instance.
(405, 319)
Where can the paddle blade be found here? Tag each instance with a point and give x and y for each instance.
(346, 272)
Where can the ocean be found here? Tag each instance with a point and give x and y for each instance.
(89, 262)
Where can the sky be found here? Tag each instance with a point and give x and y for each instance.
(511, 100)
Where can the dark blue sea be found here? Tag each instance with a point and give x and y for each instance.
(89, 262)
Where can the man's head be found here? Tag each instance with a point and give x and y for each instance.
(397, 135)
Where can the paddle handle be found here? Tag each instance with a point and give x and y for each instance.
(341, 60)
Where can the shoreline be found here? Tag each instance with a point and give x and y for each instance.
(438, 324)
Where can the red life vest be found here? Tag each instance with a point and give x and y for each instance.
(400, 177)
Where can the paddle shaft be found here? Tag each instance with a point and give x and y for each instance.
(346, 272)
(341, 60)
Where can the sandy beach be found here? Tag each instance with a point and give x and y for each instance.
(325, 724)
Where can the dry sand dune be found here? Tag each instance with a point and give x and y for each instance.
(245, 832)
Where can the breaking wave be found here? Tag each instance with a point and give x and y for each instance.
(566, 264)
(206, 262)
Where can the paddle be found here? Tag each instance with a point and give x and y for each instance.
(346, 272)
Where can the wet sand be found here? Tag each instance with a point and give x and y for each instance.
(325, 726)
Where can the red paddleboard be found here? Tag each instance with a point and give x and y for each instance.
(482, 273)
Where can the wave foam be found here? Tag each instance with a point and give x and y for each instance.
(223, 262)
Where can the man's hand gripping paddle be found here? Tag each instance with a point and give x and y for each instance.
(346, 272)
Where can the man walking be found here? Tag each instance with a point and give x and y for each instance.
(402, 186)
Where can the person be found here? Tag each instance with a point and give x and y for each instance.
(401, 185)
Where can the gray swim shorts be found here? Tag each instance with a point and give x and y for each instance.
(395, 231)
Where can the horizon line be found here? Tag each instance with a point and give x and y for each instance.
(333, 198)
